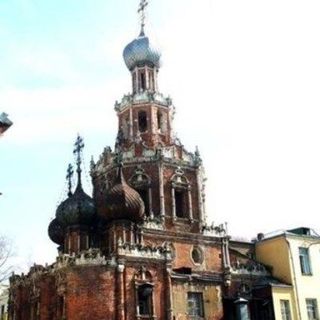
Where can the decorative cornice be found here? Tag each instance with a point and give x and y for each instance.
(142, 98)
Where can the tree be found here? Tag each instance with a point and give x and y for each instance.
(5, 255)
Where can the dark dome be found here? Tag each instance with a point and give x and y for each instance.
(78, 209)
(140, 52)
(123, 202)
(55, 231)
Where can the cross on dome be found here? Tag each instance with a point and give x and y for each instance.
(69, 177)
(78, 146)
(142, 10)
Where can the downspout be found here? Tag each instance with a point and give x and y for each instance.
(294, 279)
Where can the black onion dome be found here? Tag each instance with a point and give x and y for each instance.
(123, 202)
(55, 231)
(78, 209)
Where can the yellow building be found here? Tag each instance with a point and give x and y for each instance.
(4, 302)
(294, 258)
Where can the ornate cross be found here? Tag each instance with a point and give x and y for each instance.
(142, 7)
(69, 177)
(78, 146)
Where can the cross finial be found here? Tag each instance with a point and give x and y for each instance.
(142, 10)
(78, 146)
(69, 177)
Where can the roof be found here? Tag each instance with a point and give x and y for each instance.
(303, 232)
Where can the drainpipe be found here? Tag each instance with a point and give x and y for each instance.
(294, 279)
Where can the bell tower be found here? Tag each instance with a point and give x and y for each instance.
(169, 179)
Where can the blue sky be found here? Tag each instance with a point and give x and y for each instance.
(244, 76)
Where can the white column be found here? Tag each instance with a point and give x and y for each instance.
(200, 202)
(161, 190)
(190, 203)
(150, 202)
(173, 198)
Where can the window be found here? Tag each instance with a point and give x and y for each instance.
(195, 305)
(285, 310)
(142, 81)
(160, 122)
(2, 312)
(180, 203)
(312, 309)
(142, 120)
(145, 299)
(197, 255)
(304, 261)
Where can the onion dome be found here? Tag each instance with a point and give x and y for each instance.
(123, 202)
(55, 231)
(141, 52)
(78, 209)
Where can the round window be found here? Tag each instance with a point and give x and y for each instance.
(197, 255)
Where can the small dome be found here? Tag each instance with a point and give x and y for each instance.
(123, 202)
(140, 52)
(55, 231)
(78, 209)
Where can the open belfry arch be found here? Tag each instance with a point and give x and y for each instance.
(140, 247)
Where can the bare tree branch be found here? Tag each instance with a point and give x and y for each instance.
(5, 255)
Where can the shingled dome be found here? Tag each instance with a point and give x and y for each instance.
(141, 52)
(55, 231)
(123, 202)
(78, 209)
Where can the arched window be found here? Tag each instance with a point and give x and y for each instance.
(142, 81)
(160, 121)
(142, 121)
(181, 196)
(145, 301)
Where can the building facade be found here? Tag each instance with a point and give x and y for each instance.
(294, 258)
(140, 247)
(4, 297)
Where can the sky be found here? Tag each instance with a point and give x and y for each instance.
(244, 77)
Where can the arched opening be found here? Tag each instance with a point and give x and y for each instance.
(145, 303)
(160, 121)
(180, 199)
(142, 80)
(142, 121)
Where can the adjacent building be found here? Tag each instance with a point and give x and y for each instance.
(294, 258)
(4, 296)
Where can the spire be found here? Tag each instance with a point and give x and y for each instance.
(142, 11)
(69, 177)
(78, 146)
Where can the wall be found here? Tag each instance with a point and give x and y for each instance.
(307, 286)
(213, 309)
(281, 293)
(274, 252)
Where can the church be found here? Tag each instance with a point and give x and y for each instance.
(140, 247)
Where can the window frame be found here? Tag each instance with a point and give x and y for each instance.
(285, 309)
(195, 311)
(305, 261)
(315, 310)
